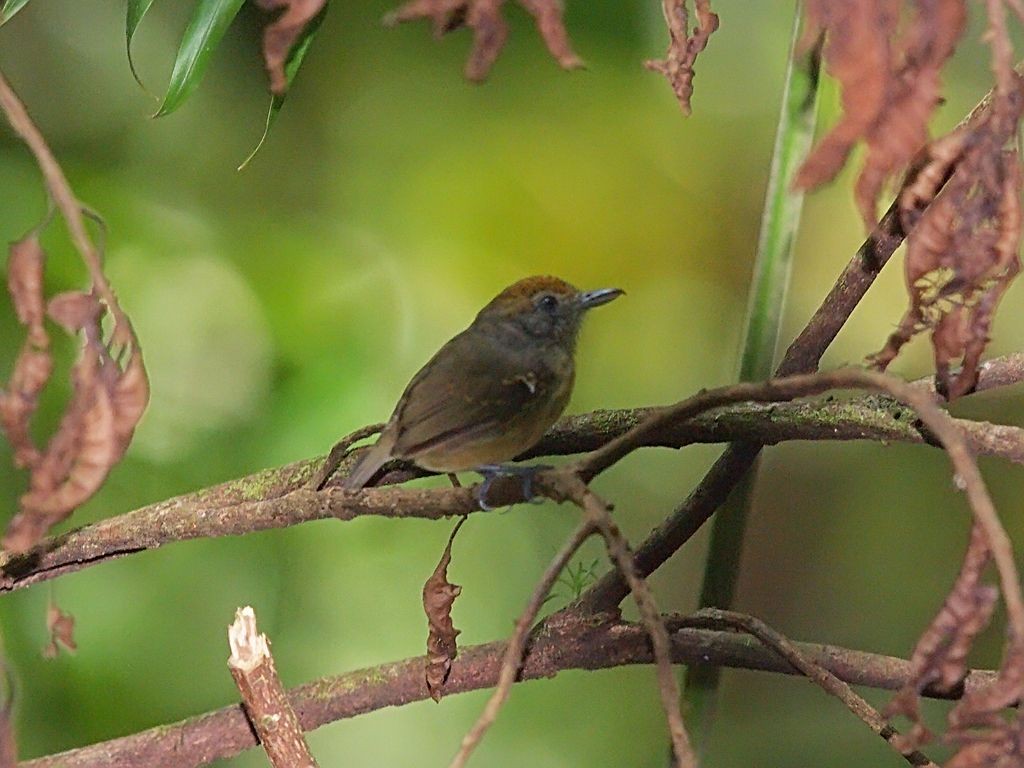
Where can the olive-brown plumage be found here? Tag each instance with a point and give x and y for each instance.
(493, 390)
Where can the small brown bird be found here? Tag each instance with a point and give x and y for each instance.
(492, 391)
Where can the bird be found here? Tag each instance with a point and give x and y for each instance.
(493, 390)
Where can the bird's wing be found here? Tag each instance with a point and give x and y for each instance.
(471, 388)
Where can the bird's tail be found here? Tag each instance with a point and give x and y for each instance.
(367, 466)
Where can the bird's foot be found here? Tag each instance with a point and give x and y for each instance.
(492, 472)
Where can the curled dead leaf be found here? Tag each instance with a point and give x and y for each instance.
(888, 62)
(74, 310)
(61, 628)
(961, 210)
(33, 366)
(110, 388)
(18, 402)
(940, 656)
(25, 284)
(1001, 746)
(926, 177)
(281, 35)
(490, 31)
(684, 46)
(438, 598)
(130, 397)
(962, 252)
(981, 707)
(93, 435)
(984, 736)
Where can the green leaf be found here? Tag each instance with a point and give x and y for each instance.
(210, 20)
(780, 222)
(291, 67)
(10, 8)
(136, 10)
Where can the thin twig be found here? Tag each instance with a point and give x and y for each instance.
(934, 418)
(338, 453)
(566, 641)
(802, 356)
(69, 205)
(568, 485)
(826, 680)
(263, 696)
(512, 661)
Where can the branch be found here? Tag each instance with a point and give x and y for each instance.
(277, 498)
(63, 196)
(802, 356)
(567, 484)
(861, 418)
(512, 660)
(826, 680)
(263, 696)
(564, 641)
(110, 387)
(937, 421)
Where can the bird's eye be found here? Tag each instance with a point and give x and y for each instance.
(547, 302)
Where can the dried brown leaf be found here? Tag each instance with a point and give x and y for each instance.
(939, 658)
(490, 31)
(489, 35)
(61, 628)
(977, 723)
(888, 63)
(130, 397)
(548, 16)
(999, 747)
(33, 365)
(100, 418)
(280, 36)
(963, 242)
(72, 467)
(25, 284)
(926, 177)
(983, 708)
(858, 54)
(93, 435)
(438, 598)
(18, 402)
(684, 46)
(109, 382)
(913, 94)
(74, 310)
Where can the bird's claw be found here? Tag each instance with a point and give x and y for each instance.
(491, 472)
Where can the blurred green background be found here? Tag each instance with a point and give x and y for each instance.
(283, 306)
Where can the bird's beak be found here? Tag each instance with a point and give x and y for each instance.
(595, 298)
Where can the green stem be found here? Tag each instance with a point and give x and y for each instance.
(772, 267)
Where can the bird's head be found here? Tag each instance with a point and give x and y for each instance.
(545, 307)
